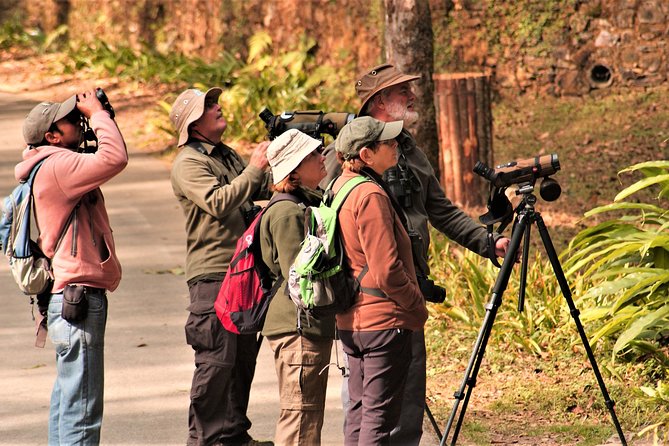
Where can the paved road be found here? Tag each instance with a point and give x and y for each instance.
(148, 365)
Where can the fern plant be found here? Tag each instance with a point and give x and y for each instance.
(625, 263)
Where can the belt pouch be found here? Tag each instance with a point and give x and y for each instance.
(75, 303)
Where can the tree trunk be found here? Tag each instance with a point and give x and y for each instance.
(465, 135)
(408, 40)
(62, 18)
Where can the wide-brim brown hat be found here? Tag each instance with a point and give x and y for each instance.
(43, 115)
(378, 78)
(188, 108)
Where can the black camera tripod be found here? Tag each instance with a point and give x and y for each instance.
(526, 215)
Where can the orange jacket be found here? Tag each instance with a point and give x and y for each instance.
(373, 235)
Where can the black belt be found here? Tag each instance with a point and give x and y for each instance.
(93, 290)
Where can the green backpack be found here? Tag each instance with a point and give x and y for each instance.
(320, 281)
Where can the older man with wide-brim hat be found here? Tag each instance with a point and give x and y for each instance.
(386, 94)
(215, 188)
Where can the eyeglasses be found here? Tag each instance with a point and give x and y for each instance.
(318, 151)
(390, 143)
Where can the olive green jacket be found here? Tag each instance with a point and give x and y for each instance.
(429, 203)
(214, 189)
(281, 233)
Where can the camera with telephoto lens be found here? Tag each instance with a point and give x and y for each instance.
(519, 171)
(432, 292)
(313, 123)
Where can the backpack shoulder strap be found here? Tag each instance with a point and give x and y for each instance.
(275, 199)
(282, 197)
(33, 172)
(70, 218)
(346, 189)
(338, 200)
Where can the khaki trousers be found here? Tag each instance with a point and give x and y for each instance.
(299, 362)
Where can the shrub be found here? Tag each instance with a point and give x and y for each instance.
(625, 261)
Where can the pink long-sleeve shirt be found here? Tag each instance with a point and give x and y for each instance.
(65, 179)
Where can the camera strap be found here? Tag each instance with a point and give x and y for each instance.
(491, 246)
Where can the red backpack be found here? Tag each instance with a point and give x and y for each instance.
(247, 289)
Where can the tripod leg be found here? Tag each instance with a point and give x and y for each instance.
(566, 292)
(523, 269)
(469, 381)
(433, 422)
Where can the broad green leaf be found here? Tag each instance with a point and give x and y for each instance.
(639, 185)
(663, 164)
(639, 326)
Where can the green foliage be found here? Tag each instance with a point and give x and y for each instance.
(624, 263)
(660, 396)
(468, 279)
(147, 65)
(286, 82)
(13, 34)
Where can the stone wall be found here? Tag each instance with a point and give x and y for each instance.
(572, 49)
(561, 47)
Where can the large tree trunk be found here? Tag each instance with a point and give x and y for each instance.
(408, 40)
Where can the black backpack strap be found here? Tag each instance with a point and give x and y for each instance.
(71, 219)
(337, 201)
(282, 196)
(371, 291)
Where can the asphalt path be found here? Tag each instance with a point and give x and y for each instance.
(148, 366)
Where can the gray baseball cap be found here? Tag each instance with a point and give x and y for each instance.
(41, 117)
(363, 131)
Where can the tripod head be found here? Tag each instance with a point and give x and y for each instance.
(524, 174)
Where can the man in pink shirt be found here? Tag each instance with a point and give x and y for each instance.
(75, 233)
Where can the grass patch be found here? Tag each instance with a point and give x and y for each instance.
(594, 136)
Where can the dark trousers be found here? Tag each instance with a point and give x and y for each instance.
(379, 365)
(409, 429)
(224, 368)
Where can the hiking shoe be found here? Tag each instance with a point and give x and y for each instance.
(253, 442)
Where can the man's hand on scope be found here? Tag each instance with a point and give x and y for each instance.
(259, 156)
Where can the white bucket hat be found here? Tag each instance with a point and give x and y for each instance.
(288, 150)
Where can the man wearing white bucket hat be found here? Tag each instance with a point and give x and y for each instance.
(215, 188)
